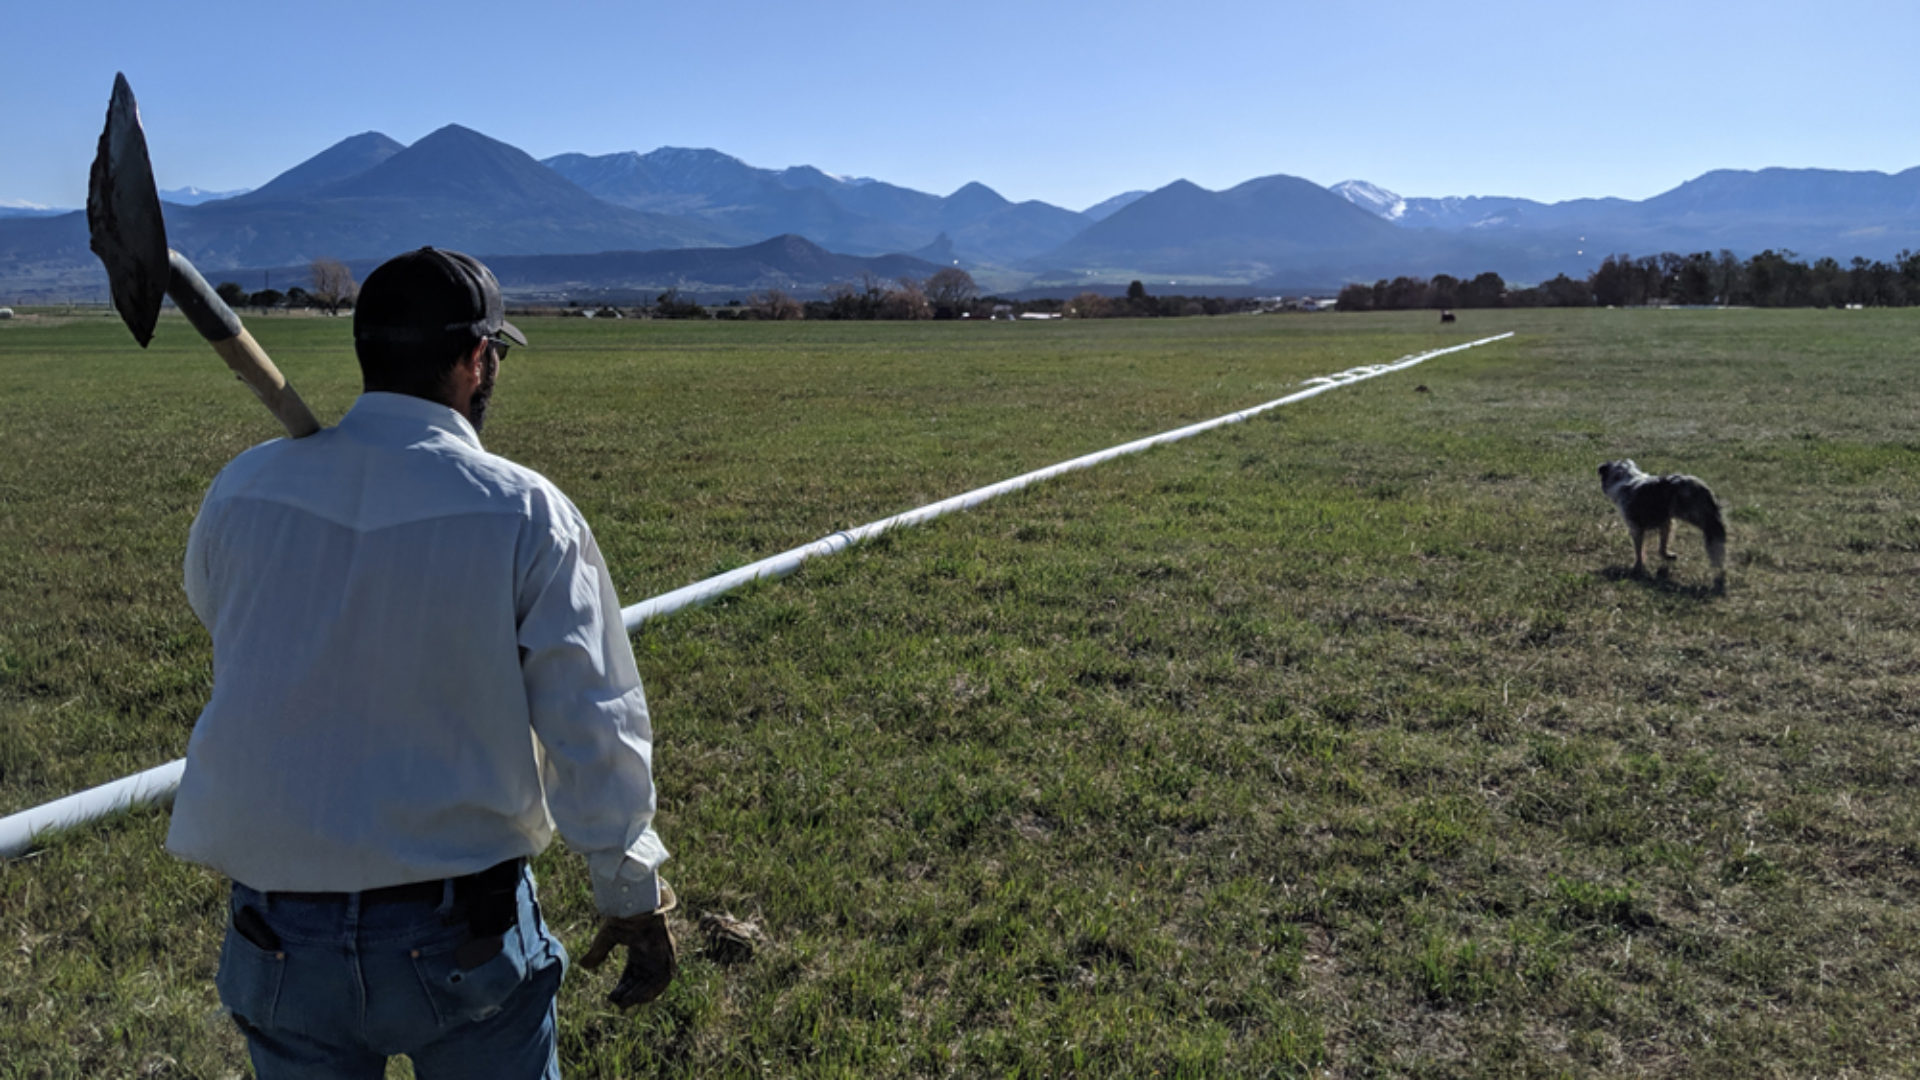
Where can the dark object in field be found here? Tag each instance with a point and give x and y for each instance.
(127, 231)
(1647, 502)
(731, 940)
(1445, 315)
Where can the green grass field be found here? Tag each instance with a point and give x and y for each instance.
(1336, 743)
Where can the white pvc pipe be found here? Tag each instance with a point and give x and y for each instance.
(776, 566)
(157, 785)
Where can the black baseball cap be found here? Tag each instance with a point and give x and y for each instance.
(423, 296)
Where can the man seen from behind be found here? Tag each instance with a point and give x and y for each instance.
(420, 672)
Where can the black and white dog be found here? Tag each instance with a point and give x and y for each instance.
(1649, 502)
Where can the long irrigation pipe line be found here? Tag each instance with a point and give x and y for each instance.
(157, 785)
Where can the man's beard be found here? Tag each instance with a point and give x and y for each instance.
(482, 394)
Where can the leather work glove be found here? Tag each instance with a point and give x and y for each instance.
(650, 955)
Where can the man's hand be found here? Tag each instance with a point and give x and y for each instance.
(650, 955)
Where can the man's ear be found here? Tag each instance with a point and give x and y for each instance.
(471, 367)
(464, 377)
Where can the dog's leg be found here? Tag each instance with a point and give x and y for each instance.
(1666, 540)
(1639, 536)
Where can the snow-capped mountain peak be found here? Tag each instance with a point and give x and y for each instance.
(194, 196)
(1372, 198)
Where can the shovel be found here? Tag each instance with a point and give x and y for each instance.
(123, 219)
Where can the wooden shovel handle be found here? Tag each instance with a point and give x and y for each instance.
(219, 325)
(249, 361)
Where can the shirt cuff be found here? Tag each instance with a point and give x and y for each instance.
(626, 883)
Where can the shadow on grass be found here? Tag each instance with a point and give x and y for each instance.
(1661, 581)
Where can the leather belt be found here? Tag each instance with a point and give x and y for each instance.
(497, 876)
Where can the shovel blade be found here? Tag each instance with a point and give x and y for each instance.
(123, 216)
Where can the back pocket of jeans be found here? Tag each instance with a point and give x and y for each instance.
(461, 995)
(249, 980)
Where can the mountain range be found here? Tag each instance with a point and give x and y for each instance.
(863, 216)
(24, 209)
(575, 222)
(1812, 212)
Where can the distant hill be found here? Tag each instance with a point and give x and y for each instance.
(193, 196)
(710, 275)
(736, 200)
(862, 216)
(790, 263)
(1264, 227)
(1105, 208)
(1813, 212)
(343, 160)
(365, 199)
(47, 257)
(1454, 212)
(454, 188)
(671, 179)
(989, 228)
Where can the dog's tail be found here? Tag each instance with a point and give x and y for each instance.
(1698, 507)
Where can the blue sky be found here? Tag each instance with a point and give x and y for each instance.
(1066, 102)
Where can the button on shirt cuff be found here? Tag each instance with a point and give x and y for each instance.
(632, 890)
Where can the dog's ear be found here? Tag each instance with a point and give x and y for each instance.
(1605, 466)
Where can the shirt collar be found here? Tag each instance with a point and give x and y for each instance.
(380, 404)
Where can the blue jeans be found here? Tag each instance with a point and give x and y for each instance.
(351, 985)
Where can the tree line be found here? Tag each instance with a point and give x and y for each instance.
(332, 284)
(1769, 279)
(947, 293)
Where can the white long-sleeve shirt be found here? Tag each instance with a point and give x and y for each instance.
(419, 669)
